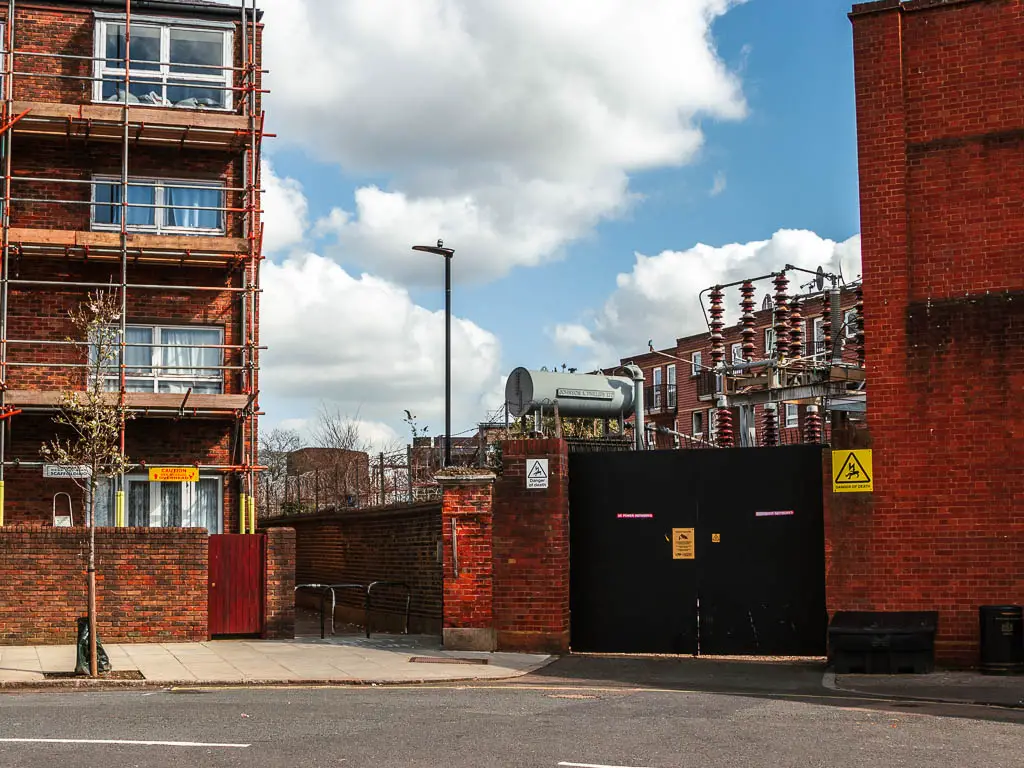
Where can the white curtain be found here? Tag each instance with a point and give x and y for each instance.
(184, 207)
(138, 503)
(170, 505)
(203, 510)
(183, 358)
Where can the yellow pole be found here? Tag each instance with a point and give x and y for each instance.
(252, 514)
(243, 514)
(119, 510)
(1, 503)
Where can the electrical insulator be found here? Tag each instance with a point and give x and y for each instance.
(796, 329)
(826, 327)
(747, 306)
(770, 430)
(781, 316)
(812, 425)
(725, 428)
(717, 312)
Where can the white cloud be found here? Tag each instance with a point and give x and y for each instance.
(658, 299)
(718, 185)
(506, 127)
(285, 211)
(361, 345)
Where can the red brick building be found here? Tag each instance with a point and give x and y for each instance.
(681, 387)
(940, 124)
(155, 198)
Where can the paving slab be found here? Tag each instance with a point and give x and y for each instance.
(382, 659)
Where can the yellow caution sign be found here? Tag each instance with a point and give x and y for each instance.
(174, 474)
(852, 472)
(716, 538)
(683, 544)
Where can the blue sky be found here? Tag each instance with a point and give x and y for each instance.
(788, 163)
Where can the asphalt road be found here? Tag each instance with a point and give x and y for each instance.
(542, 722)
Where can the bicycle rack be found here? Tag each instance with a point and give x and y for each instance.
(369, 608)
(324, 589)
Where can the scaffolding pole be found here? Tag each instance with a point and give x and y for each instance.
(243, 357)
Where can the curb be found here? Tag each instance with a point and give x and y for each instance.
(336, 682)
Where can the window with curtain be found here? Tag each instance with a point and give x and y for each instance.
(160, 206)
(172, 65)
(167, 505)
(169, 359)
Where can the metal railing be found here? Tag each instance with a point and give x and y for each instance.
(367, 590)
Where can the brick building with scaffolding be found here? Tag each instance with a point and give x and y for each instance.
(131, 156)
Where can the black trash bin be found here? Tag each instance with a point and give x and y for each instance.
(1002, 639)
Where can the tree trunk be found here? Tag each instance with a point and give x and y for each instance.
(93, 660)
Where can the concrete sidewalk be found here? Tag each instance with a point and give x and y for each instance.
(383, 659)
(953, 687)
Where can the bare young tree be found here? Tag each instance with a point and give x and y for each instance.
(93, 418)
(274, 448)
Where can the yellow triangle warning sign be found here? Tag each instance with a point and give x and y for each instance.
(852, 471)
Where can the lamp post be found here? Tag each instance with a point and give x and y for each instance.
(447, 253)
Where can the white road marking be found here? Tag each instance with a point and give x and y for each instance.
(128, 742)
(595, 765)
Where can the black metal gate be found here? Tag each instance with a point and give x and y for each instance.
(710, 551)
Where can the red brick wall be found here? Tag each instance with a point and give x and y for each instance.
(469, 587)
(151, 585)
(29, 498)
(279, 613)
(531, 550)
(36, 312)
(940, 111)
(58, 161)
(360, 546)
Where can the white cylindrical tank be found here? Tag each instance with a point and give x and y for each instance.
(578, 394)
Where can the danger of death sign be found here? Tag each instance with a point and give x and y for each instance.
(852, 472)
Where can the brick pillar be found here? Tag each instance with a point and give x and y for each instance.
(531, 550)
(468, 568)
(279, 608)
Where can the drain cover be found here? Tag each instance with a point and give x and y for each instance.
(445, 660)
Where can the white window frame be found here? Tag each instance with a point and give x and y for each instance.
(160, 208)
(769, 342)
(712, 425)
(792, 416)
(670, 386)
(737, 352)
(818, 334)
(850, 330)
(222, 78)
(156, 513)
(159, 375)
(694, 432)
(696, 363)
(656, 383)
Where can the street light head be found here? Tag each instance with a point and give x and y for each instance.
(439, 249)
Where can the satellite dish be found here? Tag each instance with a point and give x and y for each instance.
(820, 279)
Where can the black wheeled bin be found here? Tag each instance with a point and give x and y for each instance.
(1002, 639)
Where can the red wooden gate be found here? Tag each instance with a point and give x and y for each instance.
(237, 567)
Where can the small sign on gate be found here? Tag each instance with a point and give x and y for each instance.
(683, 545)
(536, 473)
